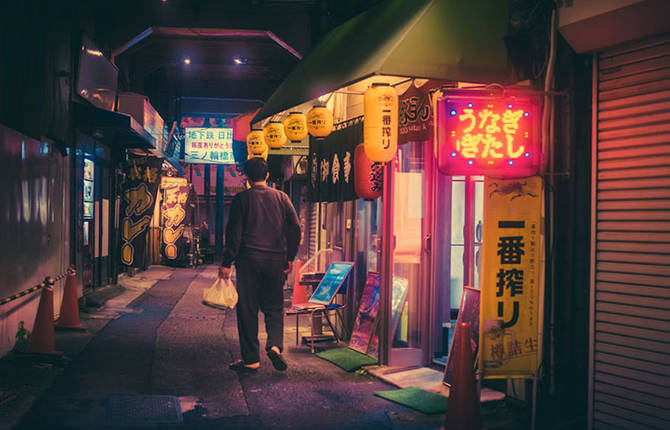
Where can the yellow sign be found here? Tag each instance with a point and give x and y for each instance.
(512, 285)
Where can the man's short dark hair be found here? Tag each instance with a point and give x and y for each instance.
(257, 169)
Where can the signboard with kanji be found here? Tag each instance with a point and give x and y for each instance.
(488, 136)
(208, 145)
(512, 287)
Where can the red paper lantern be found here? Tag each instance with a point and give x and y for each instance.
(368, 175)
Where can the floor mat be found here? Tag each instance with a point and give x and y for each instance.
(416, 398)
(346, 358)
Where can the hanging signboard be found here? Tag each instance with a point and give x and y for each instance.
(489, 136)
(511, 323)
(139, 196)
(208, 145)
(331, 165)
(173, 214)
(415, 113)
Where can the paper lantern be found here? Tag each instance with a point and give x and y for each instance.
(256, 146)
(295, 126)
(368, 175)
(274, 136)
(319, 121)
(380, 122)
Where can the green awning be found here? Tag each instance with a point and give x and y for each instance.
(433, 39)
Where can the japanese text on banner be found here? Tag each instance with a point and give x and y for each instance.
(511, 323)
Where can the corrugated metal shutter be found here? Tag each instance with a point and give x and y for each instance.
(313, 229)
(631, 368)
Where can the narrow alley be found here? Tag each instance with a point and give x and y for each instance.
(165, 344)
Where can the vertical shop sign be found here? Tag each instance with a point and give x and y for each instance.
(173, 214)
(139, 196)
(511, 282)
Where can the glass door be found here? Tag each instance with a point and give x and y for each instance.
(456, 252)
(406, 265)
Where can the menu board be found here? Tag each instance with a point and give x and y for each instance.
(331, 282)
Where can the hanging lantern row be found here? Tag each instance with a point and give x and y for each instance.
(380, 122)
(256, 146)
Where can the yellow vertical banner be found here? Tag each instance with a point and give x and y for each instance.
(512, 284)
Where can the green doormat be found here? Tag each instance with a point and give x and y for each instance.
(416, 398)
(346, 358)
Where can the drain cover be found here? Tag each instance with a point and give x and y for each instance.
(144, 410)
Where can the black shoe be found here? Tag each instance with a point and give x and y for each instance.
(239, 366)
(277, 360)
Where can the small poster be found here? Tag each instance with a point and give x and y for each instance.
(364, 339)
(468, 313)
(400, 286)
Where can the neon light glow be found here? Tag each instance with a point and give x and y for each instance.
(488, 136)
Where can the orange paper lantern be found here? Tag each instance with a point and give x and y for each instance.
(380, 126)
(274, 136)
(256, 146)
(295, 126)
(319, 121)
(368, 175)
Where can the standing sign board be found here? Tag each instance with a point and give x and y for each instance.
(468, 313)
(363, 338)
(331, 283)
(208, 145)
(511, 317)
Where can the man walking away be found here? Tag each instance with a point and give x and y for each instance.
(262, 239)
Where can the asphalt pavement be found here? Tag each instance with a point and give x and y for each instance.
(160, 360)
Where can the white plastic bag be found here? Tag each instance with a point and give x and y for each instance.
(222, 294)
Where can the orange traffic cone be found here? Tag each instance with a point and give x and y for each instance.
(299, 294)
(463, 406)
(69, 309)
(42, 341)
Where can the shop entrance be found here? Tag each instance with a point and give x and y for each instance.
(407, 256)
(456, 252)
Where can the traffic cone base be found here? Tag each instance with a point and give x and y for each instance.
(42, 342)
(69, 310)
(299, 293)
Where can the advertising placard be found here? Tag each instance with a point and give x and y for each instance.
(174, 212)
(363, 338)
(511, 323)
(139, 197)
(208, 145)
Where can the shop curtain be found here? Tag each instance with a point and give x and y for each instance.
(331, 163)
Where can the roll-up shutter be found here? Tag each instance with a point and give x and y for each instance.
(631, 350)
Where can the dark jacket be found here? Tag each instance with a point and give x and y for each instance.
(262, 224)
